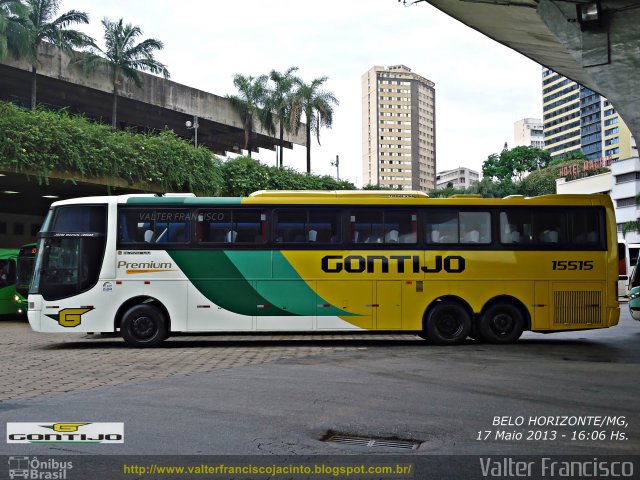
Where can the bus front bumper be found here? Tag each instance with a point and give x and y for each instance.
(34, 312)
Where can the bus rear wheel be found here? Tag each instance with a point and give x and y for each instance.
(143, 326)
(448, 323)
(501, 323)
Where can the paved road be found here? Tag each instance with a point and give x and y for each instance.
(281, 395)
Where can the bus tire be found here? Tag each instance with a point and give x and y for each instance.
(448, 323)
(143, 326)
(501, 323)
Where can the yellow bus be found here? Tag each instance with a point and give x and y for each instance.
(347, 261)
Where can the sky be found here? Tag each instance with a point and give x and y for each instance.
(482, 87)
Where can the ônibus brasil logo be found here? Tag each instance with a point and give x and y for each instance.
(70, 432)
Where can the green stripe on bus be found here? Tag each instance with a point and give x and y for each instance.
(218, 279)
(283, 285)
(223, 277)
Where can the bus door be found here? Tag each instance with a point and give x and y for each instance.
(388, 305)
(542, 307)
(205, 314)
(353, 296)
(290, 305)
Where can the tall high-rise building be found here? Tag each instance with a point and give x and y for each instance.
(528, 133)
(576, 118)
(398, 129)
(560, 113)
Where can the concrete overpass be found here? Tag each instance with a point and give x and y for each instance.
(595, 43)
(158, 105)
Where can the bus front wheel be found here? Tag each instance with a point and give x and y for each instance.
(143, 326)
(501, 323)
(448, 323)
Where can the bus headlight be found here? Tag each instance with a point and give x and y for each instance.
(16, 298)
(634, 295)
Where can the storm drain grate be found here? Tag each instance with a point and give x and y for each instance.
(371, 442)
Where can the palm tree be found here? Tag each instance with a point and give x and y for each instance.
(40, 25)
(280, 101)
(124, 57)
(250, 104)
(316, 104)
(12, 15)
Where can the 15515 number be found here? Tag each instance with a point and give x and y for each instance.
(572, 264)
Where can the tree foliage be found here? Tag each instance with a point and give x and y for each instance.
(526, 171)
(279, 101)
(515, 163)
(446, 192)
(12, 21)
(490, 189)
(377, 186)
(42, 142)
(316, 104)
(39, 25)
(244, 175)
(124, 57)
(251, 104)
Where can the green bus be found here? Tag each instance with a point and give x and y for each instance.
(24, 273)
(8, 258)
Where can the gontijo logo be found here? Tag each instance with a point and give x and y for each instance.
(391, 263)
(70, 317)
(65, 427)
(69, 432)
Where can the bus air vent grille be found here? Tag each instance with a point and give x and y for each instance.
(578, 307)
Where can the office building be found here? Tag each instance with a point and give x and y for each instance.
(528, 133)
(398, 129)
(560, 113)
(461, 177)
(576, 118)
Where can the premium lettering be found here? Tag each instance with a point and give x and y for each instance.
(146, 265)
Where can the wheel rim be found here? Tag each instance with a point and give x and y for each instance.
(449, 325)
(502, 323)
(143, 328)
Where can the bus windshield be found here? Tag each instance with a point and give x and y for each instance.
(24, 271)
(7, 280)
(70, 251)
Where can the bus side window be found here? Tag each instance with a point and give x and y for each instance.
(290, 226)
(549, 226)
(400, 227)
(584, 229)
(441, 226)
(515, 226)
(369, 224)
(475, 227)
(4, 272)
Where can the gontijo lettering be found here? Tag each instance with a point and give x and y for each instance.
(395, 263)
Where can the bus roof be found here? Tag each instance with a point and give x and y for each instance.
(347, 197)
(8, 253)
